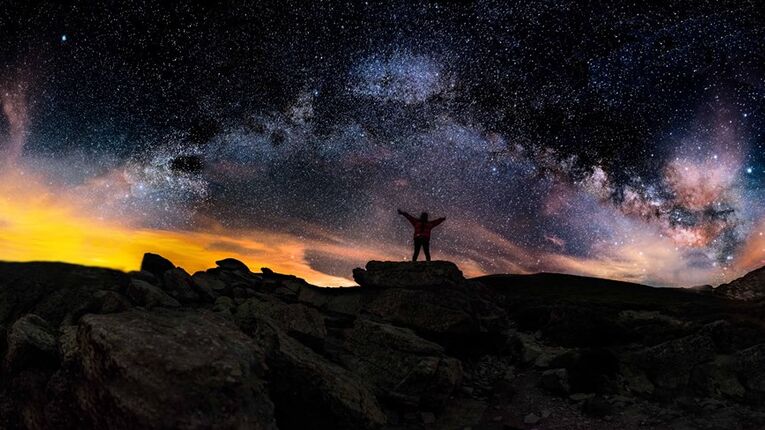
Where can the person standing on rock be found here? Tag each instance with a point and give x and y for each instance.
(422, 228)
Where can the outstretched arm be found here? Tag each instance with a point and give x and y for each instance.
(437, 221)
(407, 216)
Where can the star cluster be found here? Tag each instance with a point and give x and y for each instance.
(621, 140)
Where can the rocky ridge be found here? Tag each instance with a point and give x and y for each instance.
(415, 346)
(750, 287)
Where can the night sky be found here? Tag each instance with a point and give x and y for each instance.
(606, 139)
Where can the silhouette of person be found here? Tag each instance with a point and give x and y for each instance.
(422, 228)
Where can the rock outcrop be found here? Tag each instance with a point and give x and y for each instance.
(296, 319)
(156, 265)
(169, 369)
(434, 300)
(402, 366)
(30, 342)
(325, 394)
(415, 346)
(750, 287)
(388, 274)
(144, 294)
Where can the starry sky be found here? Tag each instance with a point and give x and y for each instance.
(612, 139)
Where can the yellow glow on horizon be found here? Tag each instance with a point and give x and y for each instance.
(43, 222)
(41, 228)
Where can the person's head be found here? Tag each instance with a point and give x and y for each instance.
(424, 216)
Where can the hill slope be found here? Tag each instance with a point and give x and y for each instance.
(750, 287)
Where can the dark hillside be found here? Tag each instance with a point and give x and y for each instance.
(415, 346)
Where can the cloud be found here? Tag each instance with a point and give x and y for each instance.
(14, 103)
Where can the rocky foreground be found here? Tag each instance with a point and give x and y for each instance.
(416, 346)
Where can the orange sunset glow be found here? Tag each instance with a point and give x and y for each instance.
(42, 228)
(46, 225)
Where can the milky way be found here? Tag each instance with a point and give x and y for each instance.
(619, 141)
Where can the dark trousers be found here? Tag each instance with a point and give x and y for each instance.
(424, 243)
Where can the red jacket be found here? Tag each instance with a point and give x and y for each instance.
(422, 229)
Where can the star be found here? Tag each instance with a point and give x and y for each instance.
(627, 139)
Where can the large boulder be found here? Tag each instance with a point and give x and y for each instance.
(669, 364)
(718, 378)
(52, 291)
(402, 366)
(108, 302)
(296, 319)
(31, 343)
(169, 369)
(532, 351)
(459, 319)
(144, 276)
(233, 265)
(341, 301)
(149, 296)
(210, 283)
(156, 264)
(408, 274)
(178, 283)
(311, 392)
(231, 279)
(434, 300)
(426, 312)
(101, 302)
(750, 366)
